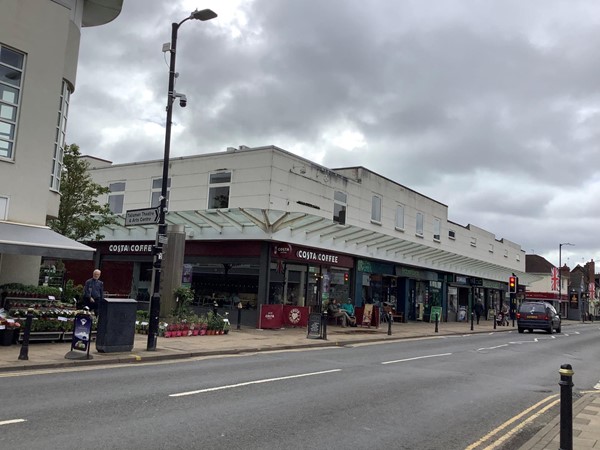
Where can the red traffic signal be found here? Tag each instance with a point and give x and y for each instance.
(346, 277)
(512, 285)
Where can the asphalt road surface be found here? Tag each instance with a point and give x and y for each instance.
(437, 393)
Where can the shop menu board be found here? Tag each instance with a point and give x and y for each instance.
(81, 333)
(314, 326)
(435, 310)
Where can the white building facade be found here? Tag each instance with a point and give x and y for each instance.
(39, 47)
(277, 228)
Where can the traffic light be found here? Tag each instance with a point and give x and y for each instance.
(512, 285)
(346, 277)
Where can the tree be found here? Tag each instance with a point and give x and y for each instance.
(80, 215)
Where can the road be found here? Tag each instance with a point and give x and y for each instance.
(436, 393)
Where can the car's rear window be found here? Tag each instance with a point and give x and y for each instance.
(532, 308)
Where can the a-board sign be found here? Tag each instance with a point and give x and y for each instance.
(81, 333)
(314, 326)
(435, 310)
(144, 216)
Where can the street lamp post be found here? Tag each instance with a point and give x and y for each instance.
(560, 269)
(161, 235)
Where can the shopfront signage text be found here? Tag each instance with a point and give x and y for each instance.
(316, 256)
(128, 248)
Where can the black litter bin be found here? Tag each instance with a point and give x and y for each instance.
(116, 325)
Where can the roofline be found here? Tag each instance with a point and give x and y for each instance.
(100, 12)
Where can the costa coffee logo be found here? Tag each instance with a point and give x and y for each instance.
(282, 249)
(269, 315)
(316, 256)
(294, 316)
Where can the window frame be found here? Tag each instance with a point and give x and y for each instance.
(213, 186)
(7, 150)
(376, 208)
(437, 229)
(342, 205)
(399, 220)
(60, 137)
(117, 194)
(158, 191)
(419, 224)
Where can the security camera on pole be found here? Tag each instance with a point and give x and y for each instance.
(161, 236)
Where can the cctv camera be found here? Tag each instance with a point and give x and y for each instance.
(183, 101)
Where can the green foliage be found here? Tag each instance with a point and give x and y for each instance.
(184, 298)
(80, 215)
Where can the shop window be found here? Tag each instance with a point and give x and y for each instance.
(11, 74)
(157, 189)
(376, 209)
(437, 229)
(218, 190)
(59, 137)
(116, 197)
(400, 217)
(339, 207)
(419, 224)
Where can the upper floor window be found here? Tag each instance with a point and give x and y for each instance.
(156, 191)
(491, 249)
(473, 242)
(506, 253)
(451, 234)
(419, 224)
(59, 138)
(339, 207)
(3, 208)
(400, 217)
(437, 229)
(11, 73)
(116, 197)
(376, 209)
(219, 184)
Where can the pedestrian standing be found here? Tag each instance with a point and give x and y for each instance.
(93, 292)
(478, 310)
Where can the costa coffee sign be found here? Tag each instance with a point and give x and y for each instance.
(286, 251)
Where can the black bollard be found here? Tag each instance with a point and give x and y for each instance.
(239, 319)
(324, 325)
(494, 317)
(471, 320)
(436, 322)
(24, 353)
(566, 407)
(390, 318)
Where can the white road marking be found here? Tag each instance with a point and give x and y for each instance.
(248, 383)
(492, 348)
(9, 422)
(415, 358)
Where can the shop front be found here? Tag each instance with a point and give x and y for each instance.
(308, 277)
(420, 290)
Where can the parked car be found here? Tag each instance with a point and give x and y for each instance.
(538, 316)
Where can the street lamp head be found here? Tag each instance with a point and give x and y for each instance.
(205, 14)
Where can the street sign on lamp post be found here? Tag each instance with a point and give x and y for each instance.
(161, 235)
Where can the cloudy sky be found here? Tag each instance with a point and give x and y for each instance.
(490, 107)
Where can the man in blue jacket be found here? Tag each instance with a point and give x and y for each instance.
(93, 292)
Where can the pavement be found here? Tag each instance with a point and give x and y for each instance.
(586, 410)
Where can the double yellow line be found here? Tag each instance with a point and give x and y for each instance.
(508, 434)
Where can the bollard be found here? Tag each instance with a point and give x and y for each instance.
(239, 318)
(436, 322)
(471, 320)
(495, 320)
(324, 325)
(24, 353)
(215, 308)
(566, 407)
(390, 318)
